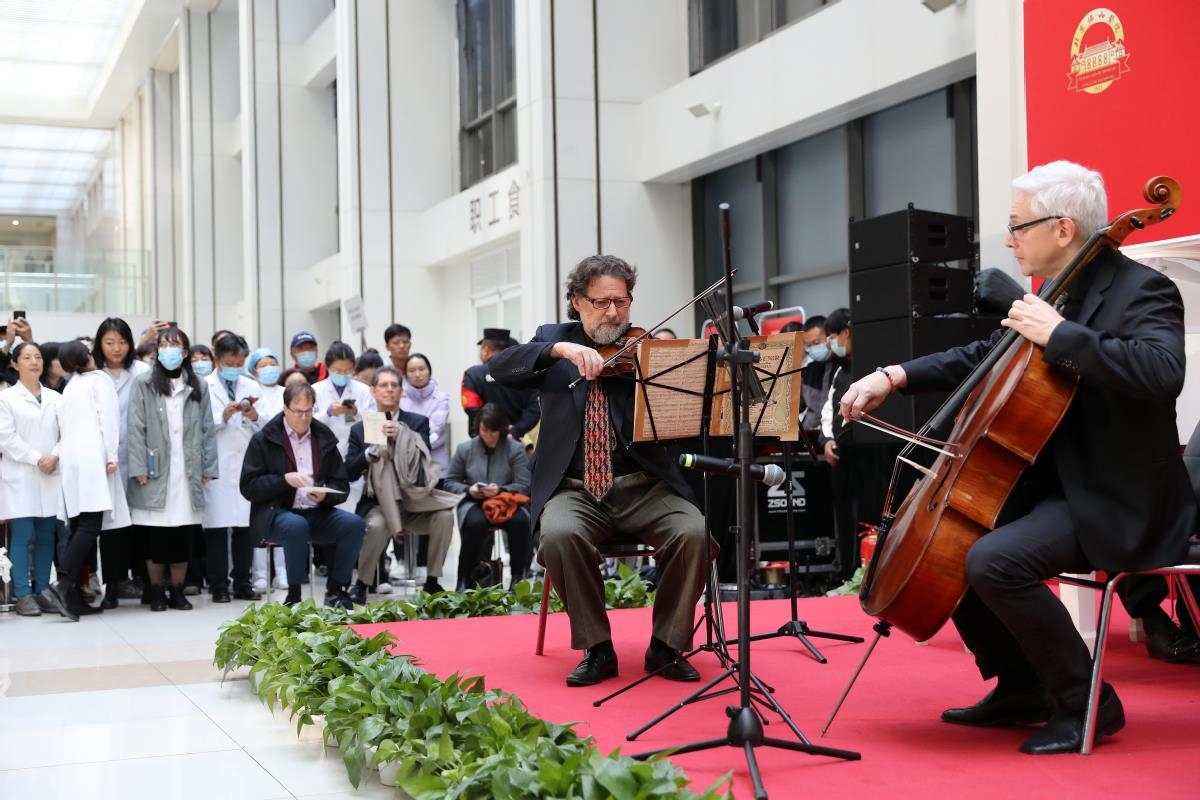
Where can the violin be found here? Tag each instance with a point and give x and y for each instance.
(620, 357)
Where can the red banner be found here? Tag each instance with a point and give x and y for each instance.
(1112, 85)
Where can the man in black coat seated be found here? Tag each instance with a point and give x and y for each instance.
(287, 468)
(590, 481)
(1083, 505)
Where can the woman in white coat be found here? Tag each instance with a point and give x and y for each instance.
(264, 365)
(122, 552)
(233, 398)
(29, 483)
(89, 429)
(340, 403)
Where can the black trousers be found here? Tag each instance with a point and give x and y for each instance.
(218, 544)
(476, 542)
(1141, 594)
(1013, 623)
(81, 544)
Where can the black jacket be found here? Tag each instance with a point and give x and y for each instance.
(1116, 451)
(356, 455)
(265, 464)
(531, 365)
(520, 406)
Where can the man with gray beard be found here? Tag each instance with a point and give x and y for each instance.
(590, 482)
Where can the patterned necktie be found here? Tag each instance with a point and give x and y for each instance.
(597, 442)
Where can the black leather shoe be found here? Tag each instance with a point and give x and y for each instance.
(597, 665)
(358, 593)
(221, 596)
(246, 593)
(999, 708)
(110, 599)
(158, 598)
(177, 598)
(339, 599)
(56, 595)
(1173, 646)
(666, 663)
(1064, 732)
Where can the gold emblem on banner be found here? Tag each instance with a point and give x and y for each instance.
(1095, 67)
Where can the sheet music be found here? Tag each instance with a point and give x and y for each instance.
(778, 415)
(373, 427)
(661, 410)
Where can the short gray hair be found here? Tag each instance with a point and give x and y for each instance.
(594, 267)
(1064, 189)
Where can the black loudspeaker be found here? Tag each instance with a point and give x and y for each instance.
(816, 542)
(894, 341)
(909, 290)
(911, 236)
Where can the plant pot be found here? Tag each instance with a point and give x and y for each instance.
(387, 773)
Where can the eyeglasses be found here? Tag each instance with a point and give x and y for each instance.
(604, 302)
(1012, 229)
(300, 412)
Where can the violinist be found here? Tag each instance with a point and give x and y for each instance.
(590, 482)
(1086, 503)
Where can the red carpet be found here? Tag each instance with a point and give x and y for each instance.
(891, 716)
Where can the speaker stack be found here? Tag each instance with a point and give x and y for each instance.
(907, 301)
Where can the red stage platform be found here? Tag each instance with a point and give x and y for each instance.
(891, 717)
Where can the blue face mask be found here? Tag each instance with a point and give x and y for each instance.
(268, 375)
(202, 368)
(339, 380)
(818, 352)
(229, 374)
(838, 348)
(170, 357)
(306, 359)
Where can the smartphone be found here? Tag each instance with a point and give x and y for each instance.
(3, 330)
(172, 324)
(349, 401)
(18, 315)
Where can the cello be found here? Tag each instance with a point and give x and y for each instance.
(1004, 414)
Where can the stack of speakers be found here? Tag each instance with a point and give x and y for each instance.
(907, 301)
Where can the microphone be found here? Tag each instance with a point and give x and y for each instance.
(751, 311)
(770, 474)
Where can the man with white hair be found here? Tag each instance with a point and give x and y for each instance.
(1085, 504)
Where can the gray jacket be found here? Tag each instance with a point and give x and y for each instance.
(148, 431)
(507, 466)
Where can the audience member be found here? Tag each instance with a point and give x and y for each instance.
(147, 352)
(294, 476)
(202, 359)
(423, 396)
(479, 388)
(365, 366)
(304, 357)
(664, 333)
(398, 340)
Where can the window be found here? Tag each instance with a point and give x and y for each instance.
(719, 27)
(487, 88)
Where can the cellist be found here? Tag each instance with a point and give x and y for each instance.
(1086, 503)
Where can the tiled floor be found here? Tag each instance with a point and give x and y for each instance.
(128, 704)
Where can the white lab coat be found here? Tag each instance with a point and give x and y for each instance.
(90, 429)
(327, 396)
(123, 383)
(270, 403)
(224, 506)
(28, 431)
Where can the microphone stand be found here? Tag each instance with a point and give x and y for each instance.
(795, 626)
(745, 730)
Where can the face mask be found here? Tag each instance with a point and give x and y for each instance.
(268, 375)
(170, 357)
(339, 380)
(818, 352)
(306, 359)
(229, 374)
(837, 347)
(202, 368)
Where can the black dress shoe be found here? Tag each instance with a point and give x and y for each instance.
(158, 598)
(1173, 646)
(666, 663)
(221, 596)
(110, 599)
(177, 599)
(358, 593)
(56, 595)
(598, 664)
(246, 593)
(1003, 707)
(1064, 732)
(339, 599)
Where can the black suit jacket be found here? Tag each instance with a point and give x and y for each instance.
(266, 462)
(1116, 452)
(531, 365)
